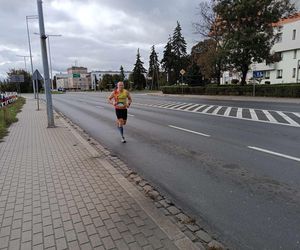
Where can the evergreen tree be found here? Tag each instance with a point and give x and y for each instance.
(178, 42)
(179, 51)
(153, 68)
(139, 79)
(122, 74)
(168, 58)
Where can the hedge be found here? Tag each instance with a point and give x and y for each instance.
(278, 90)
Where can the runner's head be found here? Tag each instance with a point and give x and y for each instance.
(120, 85)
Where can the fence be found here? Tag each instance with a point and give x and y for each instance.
(7, 98)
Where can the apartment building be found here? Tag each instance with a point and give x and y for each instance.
(79, 78)
(287, 70)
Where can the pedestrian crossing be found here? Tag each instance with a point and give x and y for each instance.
(259, 115)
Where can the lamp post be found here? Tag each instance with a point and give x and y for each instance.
(30, 54)
(50, 60)
(24, 60)
(43, 38)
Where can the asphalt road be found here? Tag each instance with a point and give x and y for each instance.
(239, 177)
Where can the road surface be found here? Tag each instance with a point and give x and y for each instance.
(234, 165)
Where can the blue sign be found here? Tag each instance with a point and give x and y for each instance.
(258, 74)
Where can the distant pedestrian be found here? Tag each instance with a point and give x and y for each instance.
(120, 98)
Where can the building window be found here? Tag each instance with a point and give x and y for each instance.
(267, 75)
(279, 74)
(295, 54)
(294, 72)
(294, 34)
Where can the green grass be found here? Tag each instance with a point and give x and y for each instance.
(8, 115)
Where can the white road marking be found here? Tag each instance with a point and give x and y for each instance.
(196, 109)
(193, 106)
(130, 115)
(205, 110)
(176, 106)
(171, 105)
(297, 114)
(184, 106)
(227, 112)
(288, 119)
(253, 115)
(217, 110)
(239, 113)
(269, 116)
(275, 153)
(190, 131)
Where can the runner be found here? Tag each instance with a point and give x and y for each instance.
(118, 99)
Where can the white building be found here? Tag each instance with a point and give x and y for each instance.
(288, 47)
(62, 81)
(98, 75)
(287, 70)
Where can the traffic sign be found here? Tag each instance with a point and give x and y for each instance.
(258, 74)
(37, 76)
(16, 78)
(76, 75)
(182, 72)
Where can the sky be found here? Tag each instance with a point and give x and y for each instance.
(97, 34)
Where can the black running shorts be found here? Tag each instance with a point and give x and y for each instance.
(121, 114)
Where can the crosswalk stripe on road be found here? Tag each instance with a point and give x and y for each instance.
(259, 115)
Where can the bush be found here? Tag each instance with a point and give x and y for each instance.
(278, 90)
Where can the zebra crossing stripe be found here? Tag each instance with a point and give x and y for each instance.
(178, 105)
(253, 115)
(297, 114)
(193, 106)
(171, 105)
(160, 105)
(196, 109)
(217, 110)
(288, 119)
(227, 112)
(239, 113)
(269, 116)
(208, 108)
(184, 106)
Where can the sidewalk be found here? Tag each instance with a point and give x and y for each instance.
(55, 194)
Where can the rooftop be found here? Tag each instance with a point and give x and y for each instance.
(293, 18)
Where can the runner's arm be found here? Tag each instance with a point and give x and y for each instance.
(129, 99)
(110, 98)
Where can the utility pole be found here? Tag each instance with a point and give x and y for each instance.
(30, 54)
(45, 65)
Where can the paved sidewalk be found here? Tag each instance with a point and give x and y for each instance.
(55, 195)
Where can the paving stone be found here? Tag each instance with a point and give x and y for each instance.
(204, 236)
(215, 245)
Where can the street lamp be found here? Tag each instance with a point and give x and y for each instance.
(24, 60)
(50, 57)
(50, 60)
(29, 44)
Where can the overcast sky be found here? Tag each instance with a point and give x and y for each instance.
(98, 34)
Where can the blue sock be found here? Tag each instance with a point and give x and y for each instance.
(121, 131)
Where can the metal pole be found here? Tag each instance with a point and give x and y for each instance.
(50, 62)
(37, 94)
(254, 88)
(45, 65)
(33, 85)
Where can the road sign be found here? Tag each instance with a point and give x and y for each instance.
(16, 78)
(182, 72)
(258, 74)
(37, 76)
(76, 75)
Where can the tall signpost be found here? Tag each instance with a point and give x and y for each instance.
(45, 65)
(257, 75)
